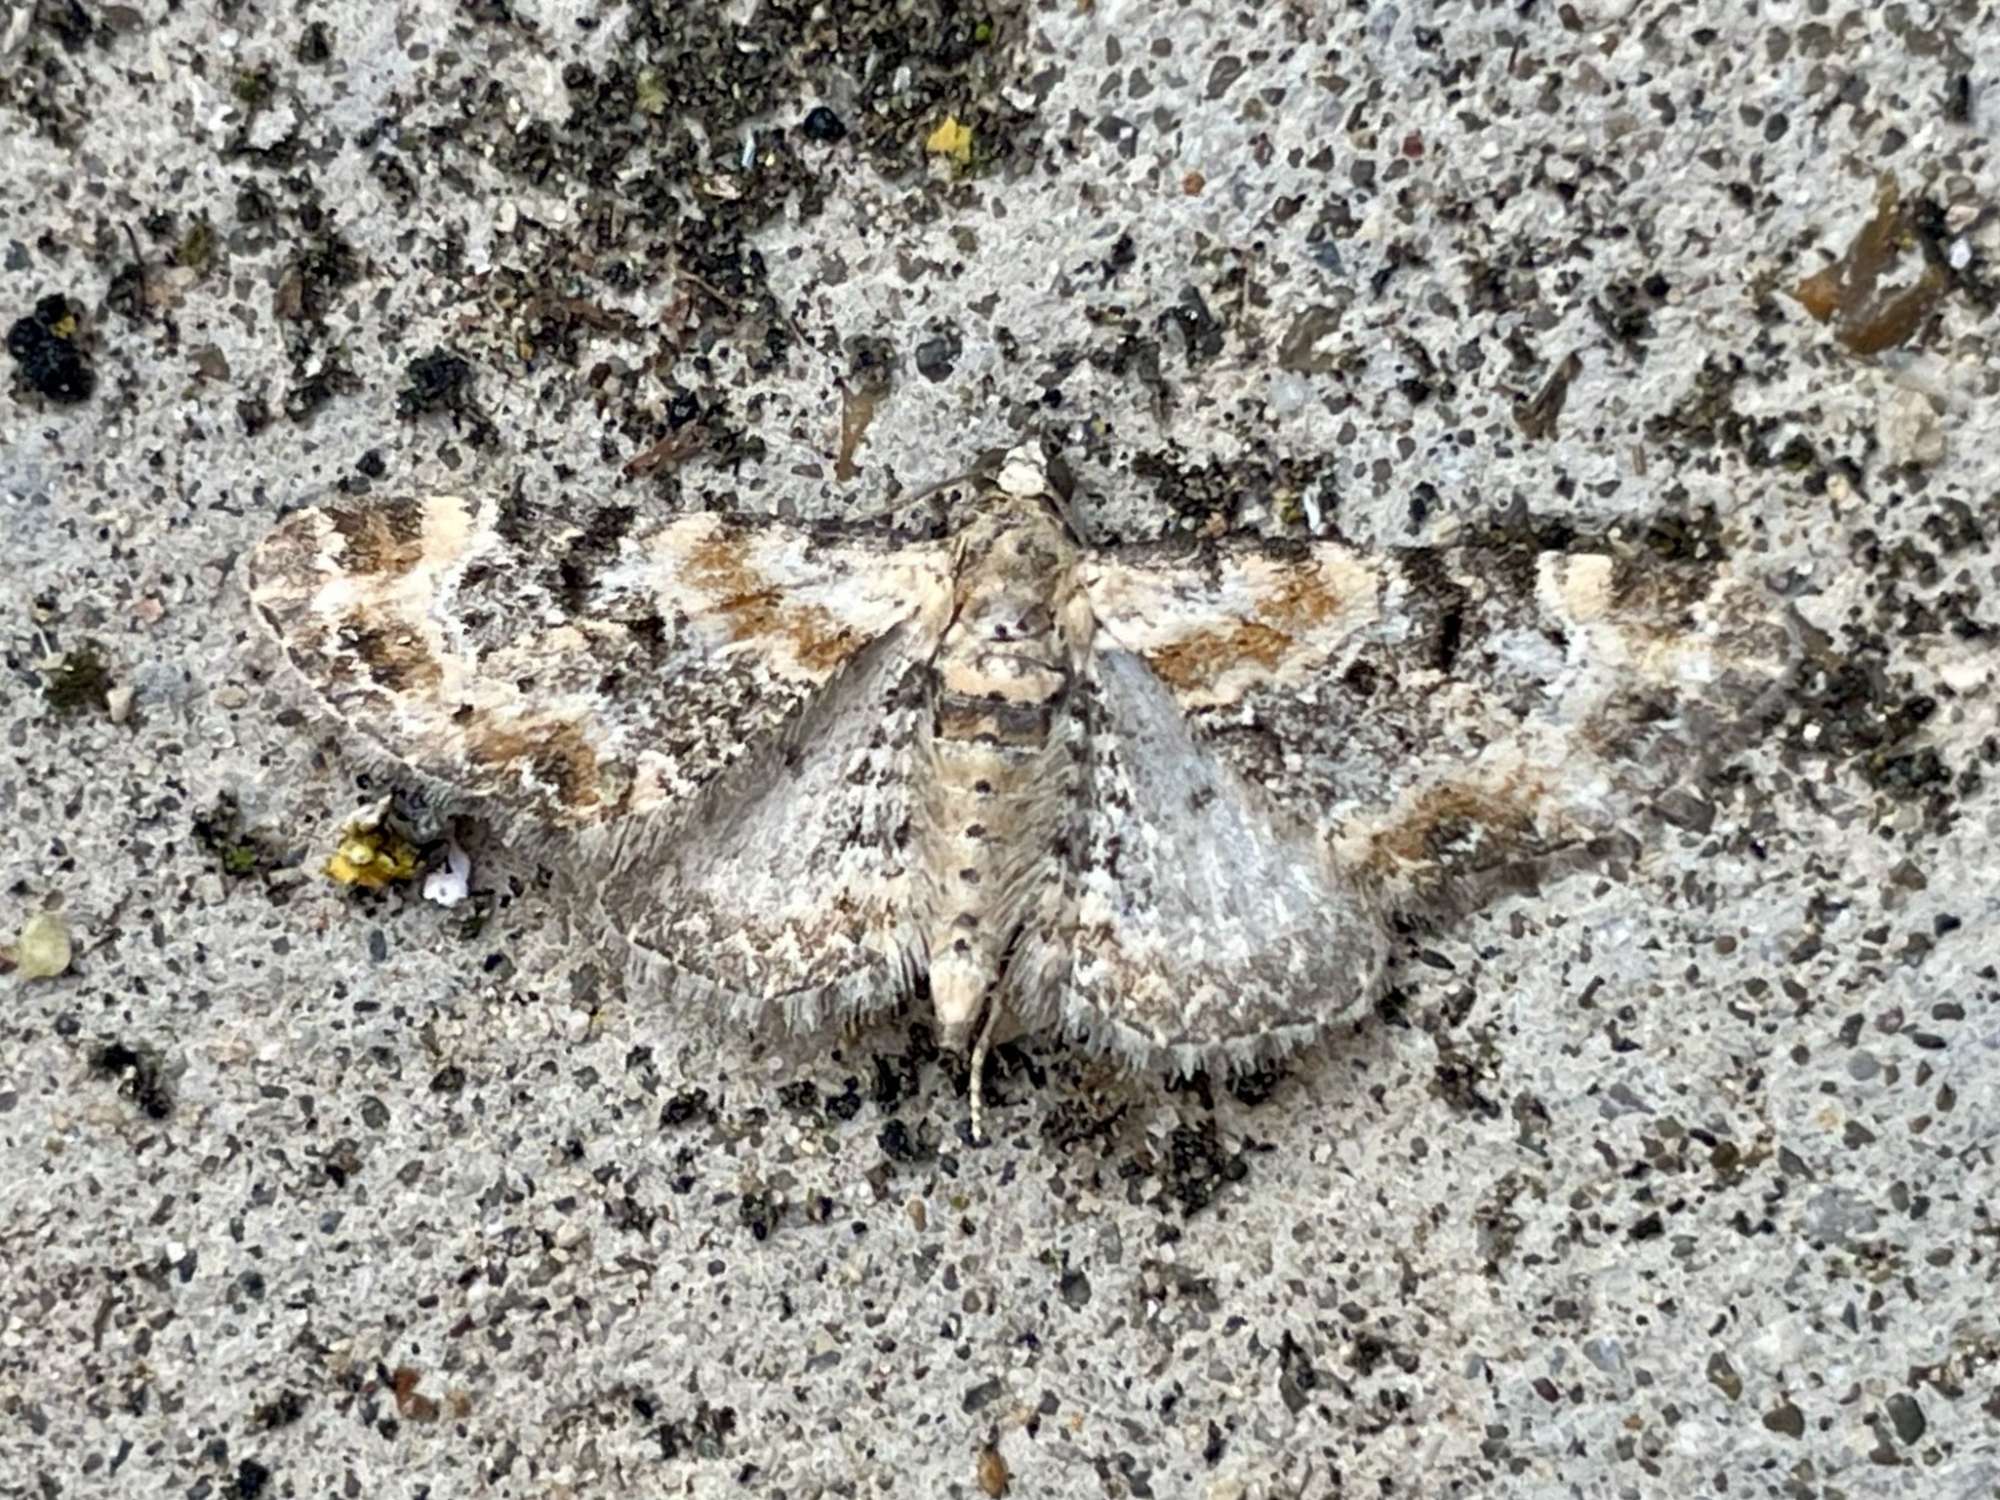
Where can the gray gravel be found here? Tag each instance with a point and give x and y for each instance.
(1677, 1183)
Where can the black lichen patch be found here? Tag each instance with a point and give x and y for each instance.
(442, 381)
(44, 79)
(70, 22)
(141, 1075)
(281, 1410)
(1625, 310)
(313, 390)
(315, 274)
(801, 1097)
(1706, 418)
(1856, 700)
(252, 1481)
(46, 354)
(703, 1435)
(686, 1107)
(902, 1145)
(238, 854)
(1074, 1120)
(846, 1104)
(1200, 332)
(903, 67)
(1198, 1166)
(700, 127)
(1223, 490)
(80, 682)
(1856, 707)
(761, 1212)
(899, 1076)
(1254, 1086)
(437, 381)
(1460, 1078)
(315, 44)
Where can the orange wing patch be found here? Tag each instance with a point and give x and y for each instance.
(1441, 816)
(395, 657)
(720, 566)
(551, 753)
(798, 605)
(1194, 664)
(1213, 629)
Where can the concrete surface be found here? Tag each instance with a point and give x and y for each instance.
(1682, 1184)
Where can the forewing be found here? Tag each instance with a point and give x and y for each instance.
(1535, 711)
(1246, 615)
(789, 883)
(1456, 718)
(1196, 920)
(579, 677)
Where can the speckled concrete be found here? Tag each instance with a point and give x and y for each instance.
(1677, 1184)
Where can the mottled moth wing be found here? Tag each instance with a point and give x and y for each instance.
(1282, 743)
(589, 677)
(790, 881)
(1205, 922)
(716, 718)
(1192, 917)
(1534, 708)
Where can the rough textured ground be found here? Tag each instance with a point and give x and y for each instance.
(1677, 1184)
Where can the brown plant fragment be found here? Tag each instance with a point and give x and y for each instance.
(411, 1404)
(1866, 316)
(993, 1475)
(1537, 416)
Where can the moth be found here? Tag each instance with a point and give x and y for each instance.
(813, 771)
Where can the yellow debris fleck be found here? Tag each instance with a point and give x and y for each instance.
(371, 858)
(951, 139)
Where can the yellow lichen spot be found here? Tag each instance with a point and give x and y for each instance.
(43, 950)
(372, 858)
(951, 139)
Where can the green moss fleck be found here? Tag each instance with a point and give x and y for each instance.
(254, 87)
(196, 249)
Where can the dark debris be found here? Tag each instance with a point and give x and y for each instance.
(46, 352)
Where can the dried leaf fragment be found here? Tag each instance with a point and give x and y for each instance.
(993, 1475)
(43, 949)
